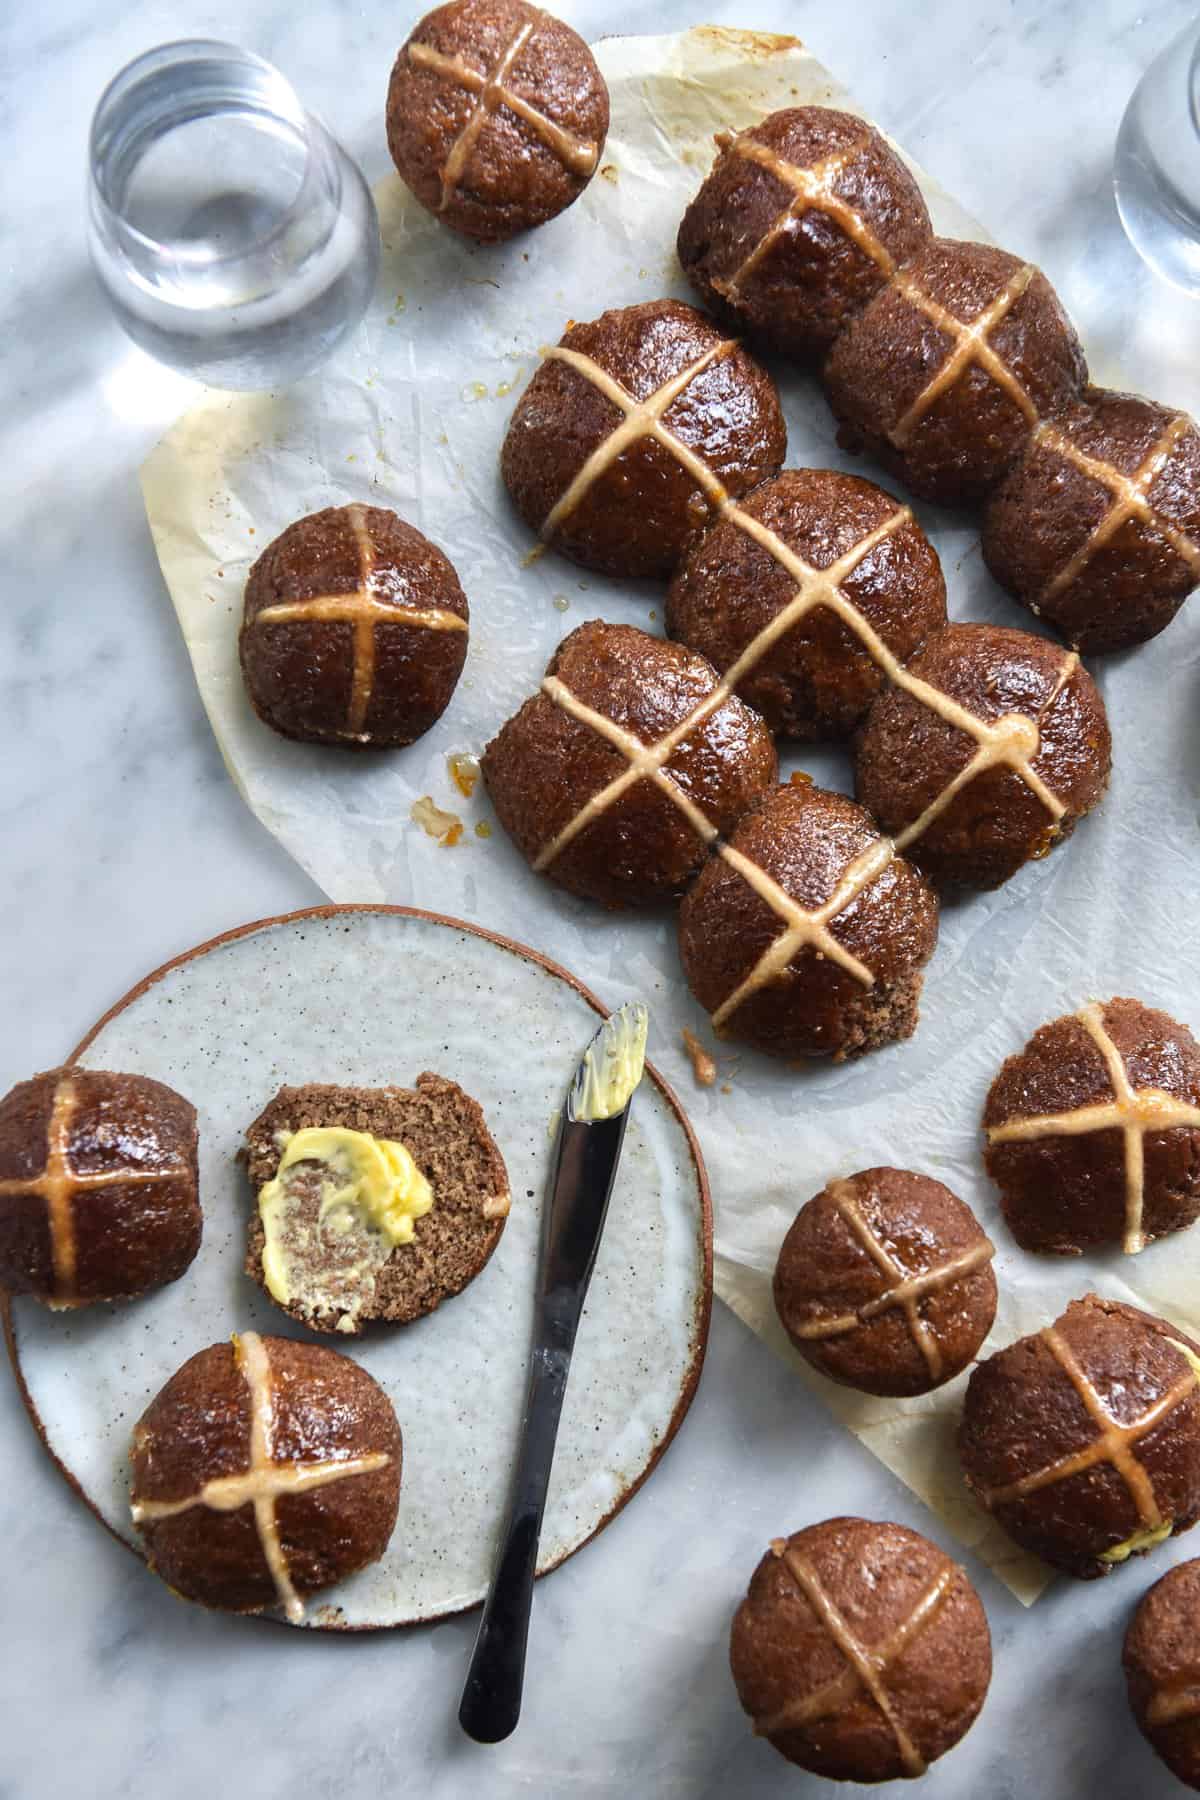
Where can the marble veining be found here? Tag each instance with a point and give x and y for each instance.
(125, 842)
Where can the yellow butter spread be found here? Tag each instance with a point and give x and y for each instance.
(612, 1065)
(371, 1195)
(1141, 1540)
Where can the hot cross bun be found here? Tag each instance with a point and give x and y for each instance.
(635, 431)
(805, 934)
(98, 1186)
(801, 221)
(985, 752)
(861, 1652)
(496, 116)
(884, 1282)
(1083, 1440)
(265, 1470)
(805, 593)
(1093, 1130)
(614, 778)
(354, 630)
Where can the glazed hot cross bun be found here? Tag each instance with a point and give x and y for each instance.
(984, 753)
(496, 116)
(954, 365)
(805, 933)
(638, 428)
(632, 757)
(805, 593)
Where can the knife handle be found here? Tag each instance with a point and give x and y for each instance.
(491, 1702)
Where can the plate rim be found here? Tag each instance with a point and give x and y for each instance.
(687, 1392)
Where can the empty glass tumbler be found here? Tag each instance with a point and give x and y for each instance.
(234, 237)
(1156, 171)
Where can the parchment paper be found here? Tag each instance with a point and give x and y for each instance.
(412, 415)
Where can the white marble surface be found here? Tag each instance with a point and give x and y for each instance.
(125, 842)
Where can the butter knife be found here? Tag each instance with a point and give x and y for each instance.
(590, 1134)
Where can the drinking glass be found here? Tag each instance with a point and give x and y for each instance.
(233, 236)
(1156, 171)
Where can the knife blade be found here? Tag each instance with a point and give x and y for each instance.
(588, 1148)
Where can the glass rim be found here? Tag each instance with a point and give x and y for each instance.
(183, 51)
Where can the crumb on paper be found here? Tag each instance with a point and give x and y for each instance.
(446, 827)
(464, 771)
(703, 1066)
(654, 612)
(475, 390)
(506, 387)
(483, 829)
(608, 171)
(725, 1088)
(560, 603)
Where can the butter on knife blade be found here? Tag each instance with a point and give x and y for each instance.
(612, 1066)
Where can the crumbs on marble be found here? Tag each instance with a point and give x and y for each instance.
(608, 172)
(560, 603)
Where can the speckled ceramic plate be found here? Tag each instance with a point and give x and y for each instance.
(372, 995)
